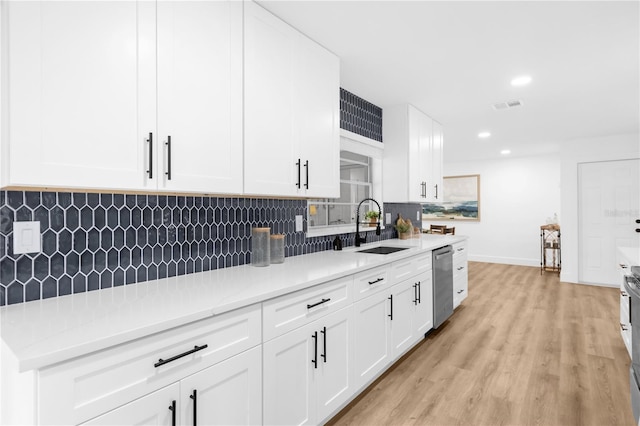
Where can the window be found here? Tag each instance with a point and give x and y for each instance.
(358, 174)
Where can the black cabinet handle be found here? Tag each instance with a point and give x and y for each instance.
(150, 169)
(419, 291)
(436, 191)
(630, 304)
(460, 268)
(314, 361)
(298, 165)
(194, 396)
(172, 408)
(375, 281)
(173, 358)
(306, 171)
(415, 294)
(168, 144)
(391, 310)
(318, 303)
(623, 327)
(637, 229)
(637, 220)
(324, 338)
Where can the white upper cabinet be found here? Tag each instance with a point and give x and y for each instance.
(96, 90)
(76, 95)
(437, 155)
(412, 156)
(291, 111)
(200, 96)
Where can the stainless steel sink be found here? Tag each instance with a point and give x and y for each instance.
(382, 250)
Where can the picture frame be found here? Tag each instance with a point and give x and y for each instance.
(461, 201)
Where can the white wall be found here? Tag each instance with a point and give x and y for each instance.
(572, 153)
(517, 195)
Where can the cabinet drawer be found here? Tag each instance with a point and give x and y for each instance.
(459, 250)
(82, 388)
(291, 311)
(459, 268)
(370, 282)
(407, 268)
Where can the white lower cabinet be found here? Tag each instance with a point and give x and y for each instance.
(389, 323)
(86, 387)
(228, 393)
(306, 371)
(371, 349)
(460, 273)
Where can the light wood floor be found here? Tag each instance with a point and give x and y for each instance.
(522, 349)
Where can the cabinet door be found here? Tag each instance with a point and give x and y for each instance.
(334, 386)
(423, 317)
(402, 307)
(270, 155)
(228, 393)
(200, 96)
(81, 107)
(158, 408)
(289, 391)
(371, 338)
(436, 153)
(416, 182)
(316, 118)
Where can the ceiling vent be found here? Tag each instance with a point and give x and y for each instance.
(507, 104)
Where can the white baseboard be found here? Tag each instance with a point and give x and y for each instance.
(505, 260)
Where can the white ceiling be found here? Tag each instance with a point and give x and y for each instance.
(454, 60)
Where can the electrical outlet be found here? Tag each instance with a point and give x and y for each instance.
(418, 215)
(298, 223)
(388, 218)
(26, 237)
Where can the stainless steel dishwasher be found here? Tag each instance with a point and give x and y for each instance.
(442, 285)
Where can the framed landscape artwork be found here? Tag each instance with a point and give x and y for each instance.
(461, 200)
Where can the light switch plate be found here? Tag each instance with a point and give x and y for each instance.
(26, 237)
(298, 223)
(387, 218)
(418, 215)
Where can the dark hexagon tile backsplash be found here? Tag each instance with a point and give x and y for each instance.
(93, 241)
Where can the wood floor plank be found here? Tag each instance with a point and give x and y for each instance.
(522, 349)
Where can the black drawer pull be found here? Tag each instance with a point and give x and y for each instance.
(172, 408)
(150, 169)
(324, 337)
(391, 307)
(319, 303)
(173, 358)
(314, 361)
(194, 396)
(419, 291)
(376, 281)
(168, 144)
(460, 268)
(298, 166)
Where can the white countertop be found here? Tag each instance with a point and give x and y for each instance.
(44, 332)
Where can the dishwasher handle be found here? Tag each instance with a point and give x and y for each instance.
(443, 252)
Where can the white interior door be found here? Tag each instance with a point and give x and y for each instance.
(608, 206)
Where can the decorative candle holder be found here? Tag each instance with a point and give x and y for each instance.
(277, 248)
(260, 247)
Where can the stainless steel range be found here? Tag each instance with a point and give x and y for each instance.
(632, 286)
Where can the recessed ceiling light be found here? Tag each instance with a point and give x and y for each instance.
(521, 81)
(484, 135)
(505, 152)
